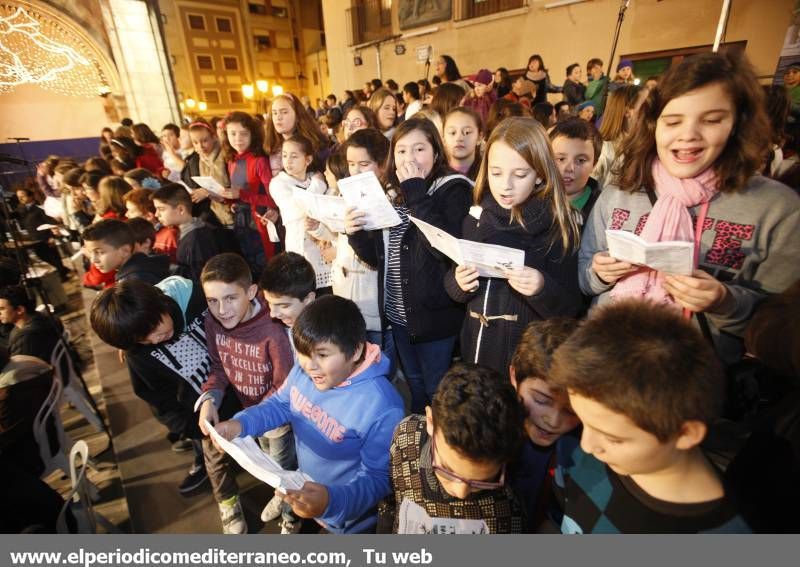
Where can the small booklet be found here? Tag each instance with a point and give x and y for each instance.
(413, 519)
(209, 184)
(246, 452)
(489, 259)
(364, 192)
(674, 257)
(327, 209)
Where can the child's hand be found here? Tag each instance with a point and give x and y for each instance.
(699, 293)
(229, 430)
(229, 193)
(408, 170)
(354, 220)
(310, 501)
(121, 355)
(467, 278)
(199, 195)
(311, 224)
(527, 281)
(271, 215)
(609, 269)
(208, 412)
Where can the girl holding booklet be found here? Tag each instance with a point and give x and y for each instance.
(297, 155)
(423, 319)
(520, 203)
(690, 173)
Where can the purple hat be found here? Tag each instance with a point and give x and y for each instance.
(624, 63)
(484, 77)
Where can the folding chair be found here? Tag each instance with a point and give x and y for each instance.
(80, 499)
(73, 390)
(52, 459)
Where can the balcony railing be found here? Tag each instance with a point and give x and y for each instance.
(369, 20)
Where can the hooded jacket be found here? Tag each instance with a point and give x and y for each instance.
(342, 437)
(151, 269)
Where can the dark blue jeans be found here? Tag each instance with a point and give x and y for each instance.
(424, 364)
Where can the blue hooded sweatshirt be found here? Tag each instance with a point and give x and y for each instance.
(342, 437)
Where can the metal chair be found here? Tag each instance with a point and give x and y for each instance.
(80, 498)
(73, 391)
(52, 459)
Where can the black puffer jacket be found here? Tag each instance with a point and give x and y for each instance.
(444, 203)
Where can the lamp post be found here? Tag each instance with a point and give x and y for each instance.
(248, 91)
(262, 85)
(202, 106)
(277, 90)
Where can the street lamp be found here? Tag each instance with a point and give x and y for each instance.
(190, 103)
(202, 106)
(277, 90)
(262, 85)
(247, 90)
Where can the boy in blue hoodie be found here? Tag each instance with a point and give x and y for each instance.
(343, 411)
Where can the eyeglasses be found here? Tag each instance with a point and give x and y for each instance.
(453, 477)
(355, 122)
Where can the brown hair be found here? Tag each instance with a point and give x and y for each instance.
(112, 190)
(376, 101)
(528, 138)
(501, 109)
(472, 173)
(534, 353)
(447, 97)
(227, 268)
(142, 199)
(256, 135)
(749, 140)
(578, 129)
(428, 128)
(615, 123)
(304, 125)
(366, 112)
(643, 361)
(142, 134)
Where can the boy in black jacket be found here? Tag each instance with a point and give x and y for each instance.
(161, 330)
(110, 244)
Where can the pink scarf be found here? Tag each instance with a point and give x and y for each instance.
(669, 220)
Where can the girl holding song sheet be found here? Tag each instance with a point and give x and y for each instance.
(520, 203)
(690, 173)
(423, 319)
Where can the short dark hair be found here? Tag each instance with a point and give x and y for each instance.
(72, 178)
(534, 352)
(578, 129)
(333, 96)
(571, 67)
(92, 178)
(173, 195)
(114, 232)
(123, 315)
(377, 83)
(391, 84)
(126, 122)
(478, 413)
(370, 140)
(227, 268)
(330, 319)
(643, 361)
(142, 230)
(17, 296)
(174, 128)
(303, 142)
(288, 273)
(412, 89)
(594, 62)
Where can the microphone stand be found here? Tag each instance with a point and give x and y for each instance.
(620, 18)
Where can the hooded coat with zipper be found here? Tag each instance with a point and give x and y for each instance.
(491, 341)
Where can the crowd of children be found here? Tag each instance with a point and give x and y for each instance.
(575, 392)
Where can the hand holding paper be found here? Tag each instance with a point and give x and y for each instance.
(209, 184)
(675, 257)
(364, 191)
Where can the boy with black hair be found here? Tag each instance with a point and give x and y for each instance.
(411, 98)
(161, 330)
(548, 415)
(576, 147)
(198, 241)
(452, 462)
(342, 410)
(289, 286)
(110, 246)
(251, 353)
(646, 386)
(144, 235)
(33, 333)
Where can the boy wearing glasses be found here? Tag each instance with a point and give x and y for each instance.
(342, 409)
(450, 465)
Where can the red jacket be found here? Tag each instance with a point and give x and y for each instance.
(255, 191)
(167, 242)
(149, 159)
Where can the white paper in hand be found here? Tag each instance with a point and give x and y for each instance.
(489, 259)
(209, 184)
(364, 192)
(246, 452)
(673, 257)
(413, 519)
(327, 209)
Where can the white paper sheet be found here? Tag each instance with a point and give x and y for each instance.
(246, 452)
(209, 184)
(364, 192)
(489, 259)
(675, 257)
(415, 520)
(327, 209)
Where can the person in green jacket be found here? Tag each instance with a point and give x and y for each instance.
(594, 91)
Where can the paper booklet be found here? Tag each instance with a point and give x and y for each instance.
(489, 259)
(246, 452)
(209, 184)
(675, 257)
(327, 209)
(364, 192)
(413, 519)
